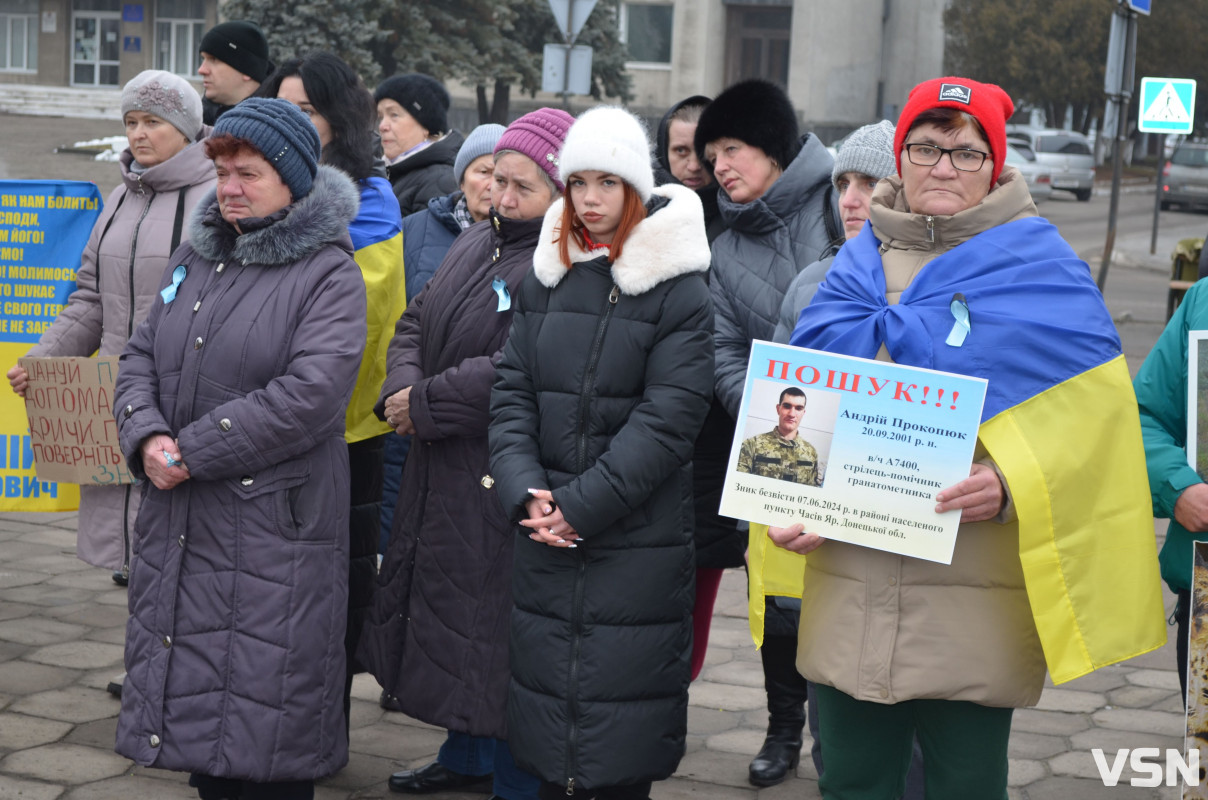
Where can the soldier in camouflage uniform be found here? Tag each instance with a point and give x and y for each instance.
(781, 453)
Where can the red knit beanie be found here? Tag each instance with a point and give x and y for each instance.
(988, 104)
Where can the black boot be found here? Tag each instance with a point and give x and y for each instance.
(786, 712)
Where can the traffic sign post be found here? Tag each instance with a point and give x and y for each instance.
(1126, 33)
(1167, 105)
(568, 77)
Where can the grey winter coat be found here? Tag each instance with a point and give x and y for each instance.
(119, 275)
(766, 243)
(238, 587)
(427, 174)
(604, 383)
(437, 637)
(800, 292)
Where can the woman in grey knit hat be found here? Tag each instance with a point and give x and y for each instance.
(164, 175)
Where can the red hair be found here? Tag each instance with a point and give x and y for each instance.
(633, 211)
(228, 146)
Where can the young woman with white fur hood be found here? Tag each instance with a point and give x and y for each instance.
(602, 388)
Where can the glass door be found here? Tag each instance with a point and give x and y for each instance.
(96, 48)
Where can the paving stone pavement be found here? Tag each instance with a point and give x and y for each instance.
(62, 626)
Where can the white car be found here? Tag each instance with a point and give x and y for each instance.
(1038, 179)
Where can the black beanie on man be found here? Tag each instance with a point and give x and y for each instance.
(242, 45)
(421, 96)
(755, 112)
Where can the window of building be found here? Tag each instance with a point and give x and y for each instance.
(18, 35)
(95, 42)
(646, 32)
(179, 25)
(757, 43)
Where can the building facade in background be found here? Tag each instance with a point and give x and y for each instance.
(99, 43)
(842, 64)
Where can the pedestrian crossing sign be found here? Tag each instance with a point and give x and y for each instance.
(1167, 105)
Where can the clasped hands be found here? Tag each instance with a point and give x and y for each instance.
(156, 450)
(546, 520)
(980, 497)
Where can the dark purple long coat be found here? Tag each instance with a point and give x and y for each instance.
(238, 586)
(437, 637)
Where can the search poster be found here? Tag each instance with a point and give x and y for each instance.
(44, 226)
(853, 448)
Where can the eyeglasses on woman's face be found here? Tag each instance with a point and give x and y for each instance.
(928, 155)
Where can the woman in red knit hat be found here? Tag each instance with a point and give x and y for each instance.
(958, 273)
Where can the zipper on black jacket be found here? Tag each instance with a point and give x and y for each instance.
(572, 695)
(589, 379)
(589, 376)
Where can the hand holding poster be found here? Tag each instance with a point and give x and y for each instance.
(854, 449)
(70, 407)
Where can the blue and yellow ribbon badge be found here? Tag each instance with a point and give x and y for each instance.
(168, 293)
(960, 329)
(501, 288)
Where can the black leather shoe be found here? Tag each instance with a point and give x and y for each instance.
(115, 686)
(121, 577)
(777, 758)
(389, 702)
(435, 778)
(787, 694)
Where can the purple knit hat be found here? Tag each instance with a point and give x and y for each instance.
(539, 135)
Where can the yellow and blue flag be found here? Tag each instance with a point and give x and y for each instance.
(377, 243)
(1060, 420)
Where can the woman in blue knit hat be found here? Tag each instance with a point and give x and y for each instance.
(230, 403)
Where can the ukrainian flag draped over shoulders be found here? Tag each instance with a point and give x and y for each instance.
(1060, 419)
(377, 243)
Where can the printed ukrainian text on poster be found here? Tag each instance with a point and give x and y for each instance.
(854, 449)
(44, 226)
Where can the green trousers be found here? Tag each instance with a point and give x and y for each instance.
(866, 747)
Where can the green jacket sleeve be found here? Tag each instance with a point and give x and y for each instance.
(1161, 387)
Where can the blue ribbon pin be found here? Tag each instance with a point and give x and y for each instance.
(501, 288)
(960, 329)
(168, 293)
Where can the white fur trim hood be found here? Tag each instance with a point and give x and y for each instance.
(670, 242)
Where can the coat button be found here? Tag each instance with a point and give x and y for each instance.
(197, 343)
(154, 740)
(224, 424)
(181, 540)
(487, 481)
(893, 581)
(128, 411)
(167, 641)
(884, 693)
(246, 480)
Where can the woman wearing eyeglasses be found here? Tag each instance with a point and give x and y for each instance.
(1055, 566)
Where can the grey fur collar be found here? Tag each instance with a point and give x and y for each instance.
(668, 243)
(318, 219)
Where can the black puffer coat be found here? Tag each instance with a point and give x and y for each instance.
(719, 542)
(427, 174)
(437, 637)
(603, 386)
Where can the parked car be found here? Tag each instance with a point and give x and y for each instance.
(1040, 183)
(1185, 176)
(1066, 154)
